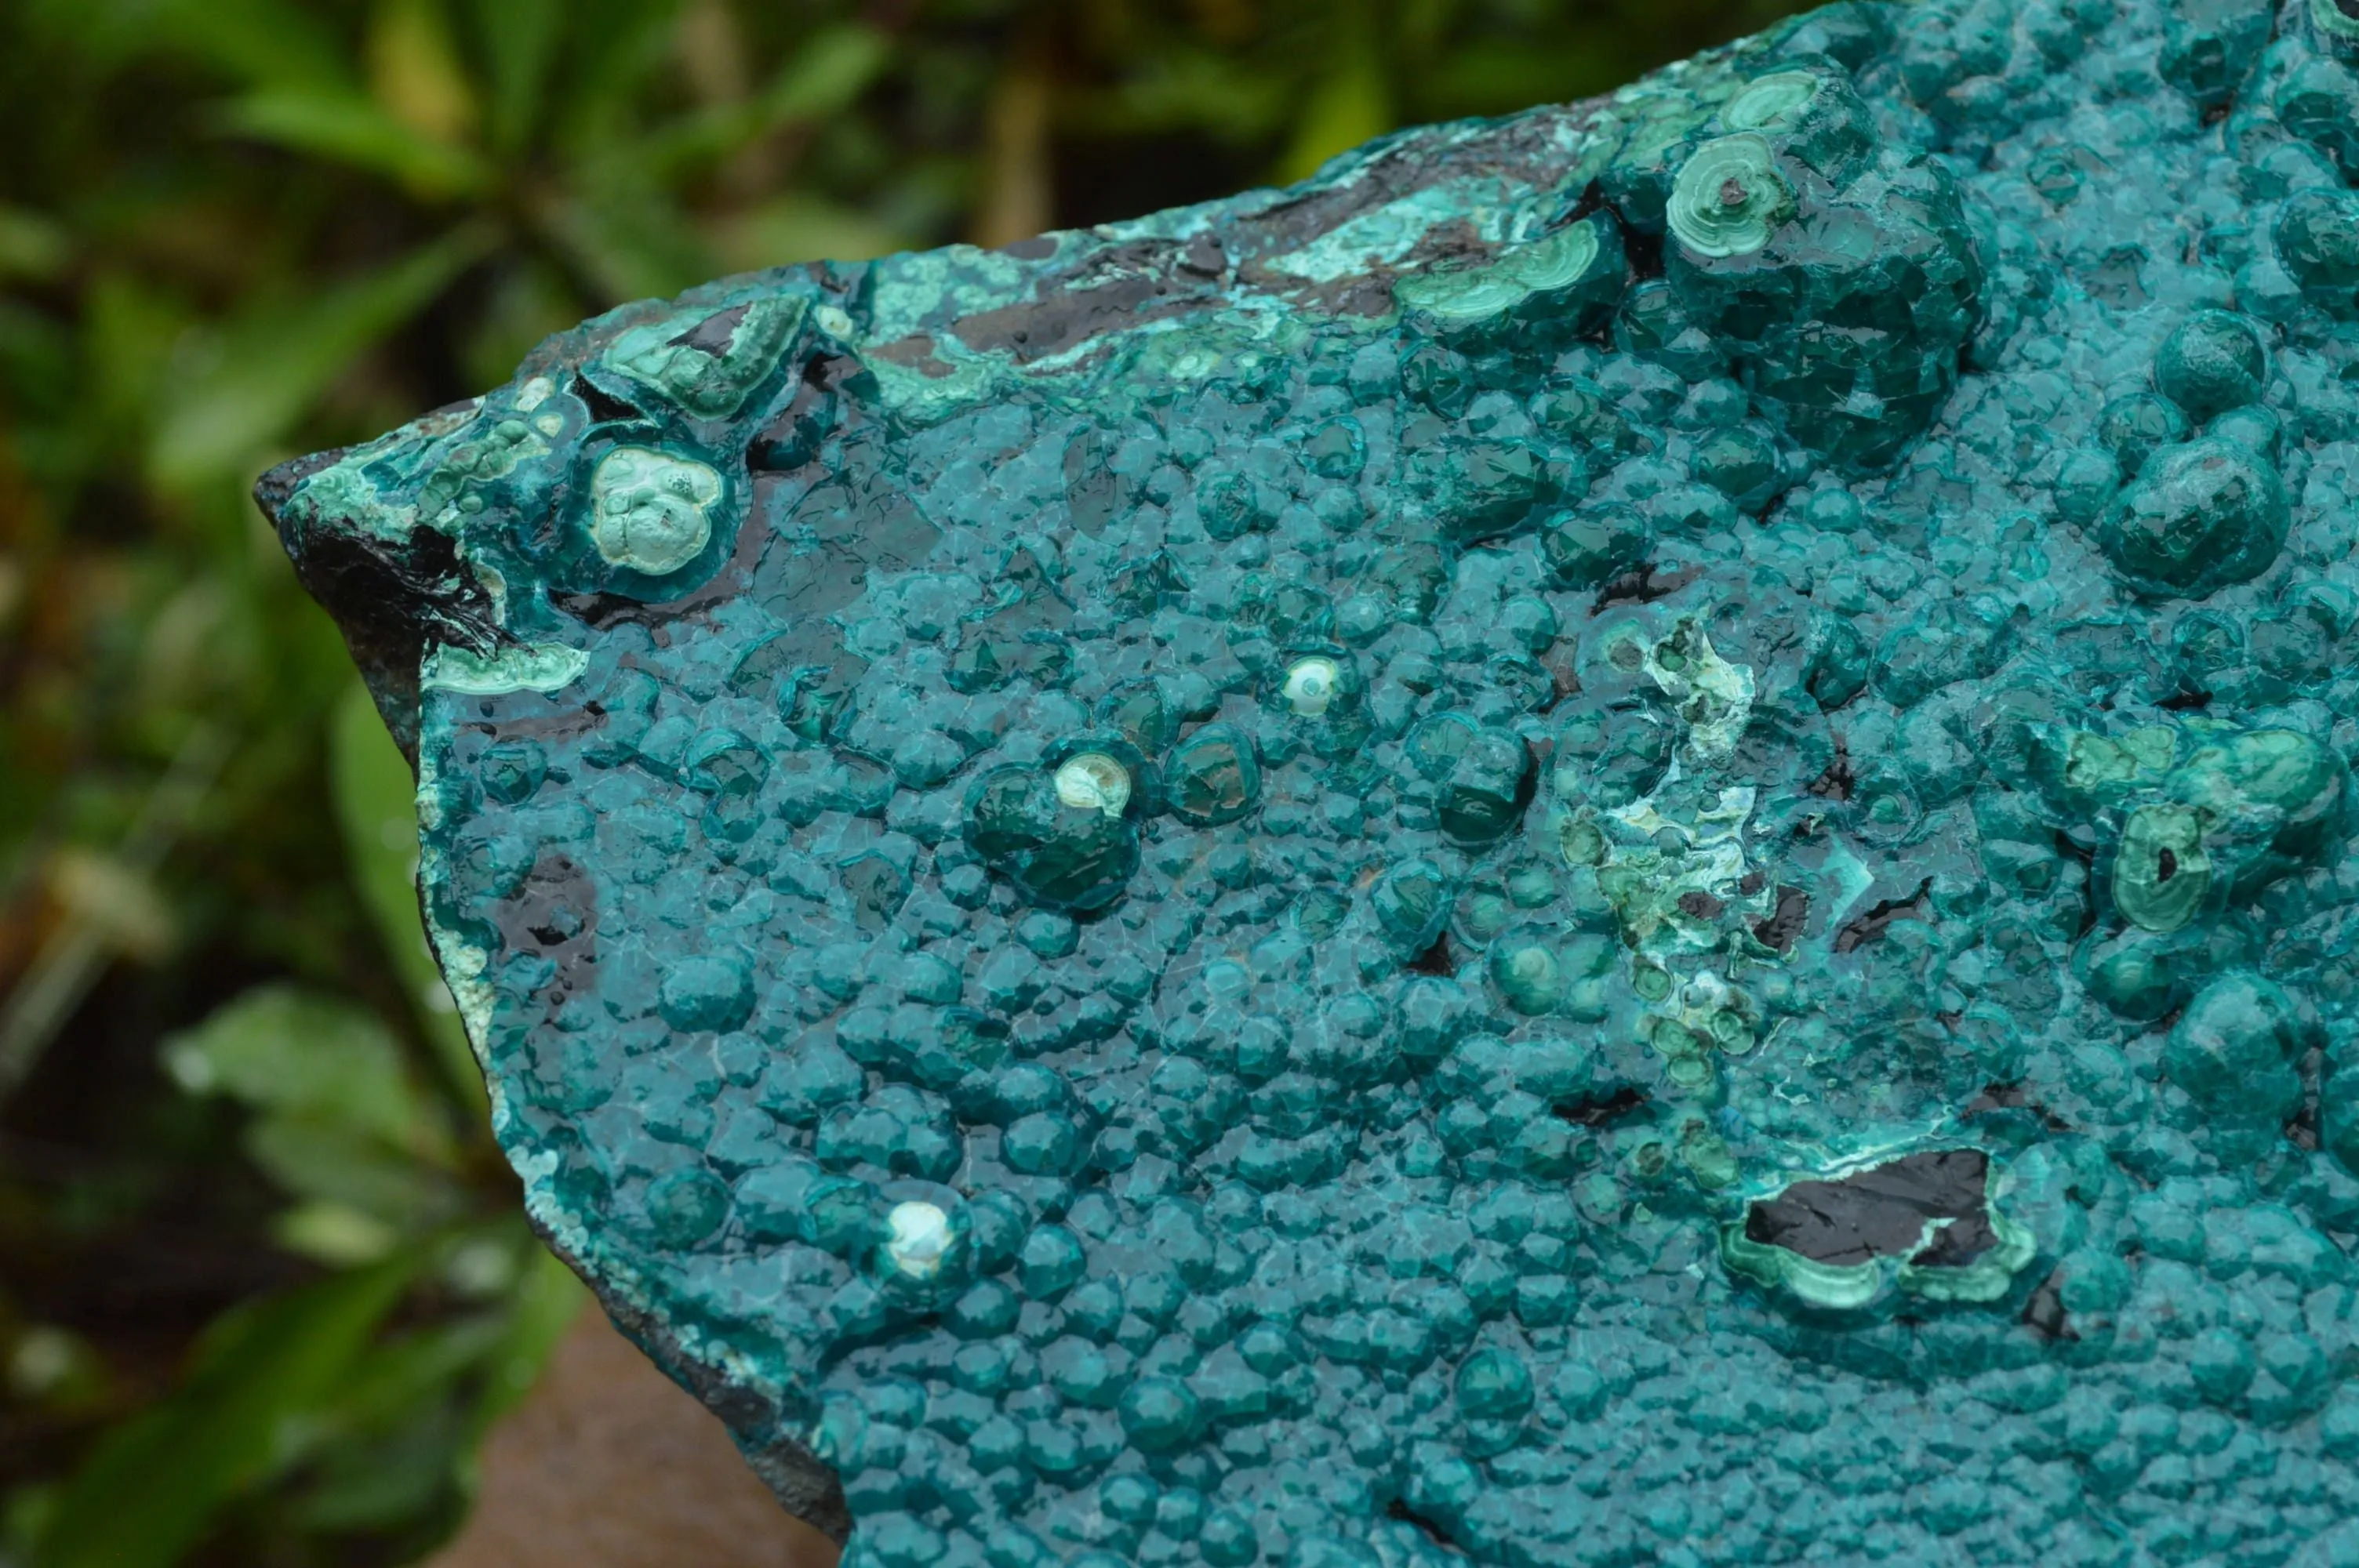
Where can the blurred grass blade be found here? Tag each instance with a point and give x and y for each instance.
(546, 1301)
(414, 72)
(630, 244)
(349, 127)
(73, 955)
(800, 228)
(273, 364)
(823, 78)
(519, 39)
(259, 41)
(149, 1491)
(376, 809)
(1349, 104)
(325, 1163)
(1018, 195)
(405, 1372)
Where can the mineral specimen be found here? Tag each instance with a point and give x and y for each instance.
(1618, 838)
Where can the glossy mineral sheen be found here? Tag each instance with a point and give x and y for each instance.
(1619, 838)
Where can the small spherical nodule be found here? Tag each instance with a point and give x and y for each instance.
(2317, 234)
(2233, 1049)
(2136, 427)
(2319, 101)
(1589, 547)
(1525, 967)
(511, 771)
(1495, 1384)
(1310, 685)
(685, 1206)
(1212, 777)
(1158, 1413)
(917, 1237)
(2198, 517)
(1091, 781)
(703, 992)
(2211, 362)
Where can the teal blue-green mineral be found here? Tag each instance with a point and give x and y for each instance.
(1620, 837)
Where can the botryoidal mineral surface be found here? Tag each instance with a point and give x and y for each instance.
(1621, 837)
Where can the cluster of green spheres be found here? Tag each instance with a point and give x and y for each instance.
(1620, 837)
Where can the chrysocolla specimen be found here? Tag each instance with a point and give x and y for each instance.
(1622, 836)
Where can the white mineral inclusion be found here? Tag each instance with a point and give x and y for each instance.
(920, 1238)
(650, 511)
(1093, 782)
(1310, 685)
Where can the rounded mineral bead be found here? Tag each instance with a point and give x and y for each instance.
(1212, 777)
(2211, 362)
(2317, 234)
(1091, 781)
(2199, 517)
(2234, 1047)
(1494, 1383)
(1310, 685)
(511, 771)
(2134, 428)
(1528, 972)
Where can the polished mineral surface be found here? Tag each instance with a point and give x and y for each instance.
(1619, 838)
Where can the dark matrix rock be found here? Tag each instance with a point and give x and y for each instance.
(1619, 838)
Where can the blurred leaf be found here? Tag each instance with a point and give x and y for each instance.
(519, 40)
(150, 1490)
(377, 810)
(273, 363)
(377, 1482)
(281, 1050)
(526, 300)
(334, 1234)
(798, 228)
(1016, 196)
(632, 243)
(350, 128)
(825, 74)
(329, 1164)
(1351, 103)
(395, 1378)
(119, 902)
(615, 49)
(547, 1300)
(54, 1368)
(414, 72)
(262, 40)
(253, 40)
(31, 244)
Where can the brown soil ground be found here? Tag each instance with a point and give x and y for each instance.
(609, 1464)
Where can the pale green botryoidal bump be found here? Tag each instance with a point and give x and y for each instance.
(1769, 102)
(651, 512)
(1729, 196)
(2161, 873)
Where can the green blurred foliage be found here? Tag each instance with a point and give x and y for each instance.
(263, 1284)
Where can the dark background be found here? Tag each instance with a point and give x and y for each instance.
(262, 1287)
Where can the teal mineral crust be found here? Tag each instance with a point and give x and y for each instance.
(1622, 836)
